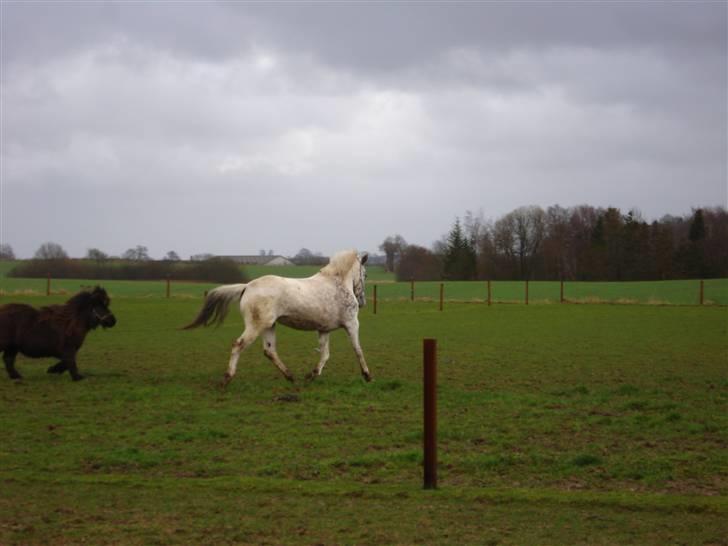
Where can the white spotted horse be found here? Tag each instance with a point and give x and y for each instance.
(327, 301)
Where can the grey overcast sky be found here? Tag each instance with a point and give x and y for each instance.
(237, 126)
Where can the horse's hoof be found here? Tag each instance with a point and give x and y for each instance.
(225, 380)
(311, 376)
(367, 377)
(78, 377)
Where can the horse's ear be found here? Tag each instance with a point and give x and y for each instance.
(364, 258)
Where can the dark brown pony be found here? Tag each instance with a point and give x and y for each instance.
(52, 331)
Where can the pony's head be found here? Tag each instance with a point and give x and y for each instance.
(348, 262)
(94, 305)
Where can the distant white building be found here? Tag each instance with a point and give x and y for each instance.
(259, 260)
(278, 260)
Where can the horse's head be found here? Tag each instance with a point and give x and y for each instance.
(359, 280)
(349, 265)
(99, 302)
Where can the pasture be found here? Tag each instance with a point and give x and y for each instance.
(594, 424)
(674, 292)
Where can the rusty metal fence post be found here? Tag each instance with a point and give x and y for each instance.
(489, 293)
(526, 292)
(442, 294)
(48, 285)
(412, 290)
(429, 349)
(702, 291)
(375, 299)
(168, 288)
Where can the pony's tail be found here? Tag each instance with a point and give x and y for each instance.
(217, 305)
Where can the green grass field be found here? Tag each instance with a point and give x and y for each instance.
(573, 424)
(684, 292)
(374, 273)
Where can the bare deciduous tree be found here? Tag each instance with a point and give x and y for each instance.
(50, 251)
(96, 255)
(6, 252)
(137, 254)
(392, 247)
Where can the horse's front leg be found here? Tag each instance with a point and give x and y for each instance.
(9, 359)
(352, 328)
(324, 351)
(69, 362)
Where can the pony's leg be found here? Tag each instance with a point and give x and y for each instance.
(269, 350)
(239, 345)
(353, 330)
(70, 364)
(59, 367)
(324, 350)
(9, 359)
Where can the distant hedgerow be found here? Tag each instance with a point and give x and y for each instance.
(212, 270)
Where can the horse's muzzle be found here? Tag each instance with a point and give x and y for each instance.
(108, 321)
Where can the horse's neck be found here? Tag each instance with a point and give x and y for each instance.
(346, 280)
(336, 278)
(74, 321)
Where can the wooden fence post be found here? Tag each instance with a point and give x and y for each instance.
(429, 350)
(412, 290)
(527, 292)
(375, 299)
(167, 286)
(561, 300)
(48, 285)
(442, 293)
(702, 291)
(489, 293)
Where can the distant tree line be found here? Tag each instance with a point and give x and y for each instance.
(577, 243)
(307, 257)
(51, 259)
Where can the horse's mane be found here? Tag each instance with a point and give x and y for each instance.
(340, 263)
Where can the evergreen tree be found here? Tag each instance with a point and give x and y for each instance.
(694, 253)
(460, 258)
(697, 227)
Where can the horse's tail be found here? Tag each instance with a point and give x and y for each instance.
(217, 305)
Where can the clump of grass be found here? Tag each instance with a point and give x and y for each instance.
(580, 390)
(389, 385)
(636, 405)
(586, 459)
(626, 390)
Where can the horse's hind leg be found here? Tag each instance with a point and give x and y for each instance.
(239, 345)
(59, 368)
(9, 359)
(269, 350)
(324, 351)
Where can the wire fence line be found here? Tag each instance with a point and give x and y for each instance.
(680, 292)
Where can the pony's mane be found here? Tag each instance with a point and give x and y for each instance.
(340, 263)
(78, 303)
